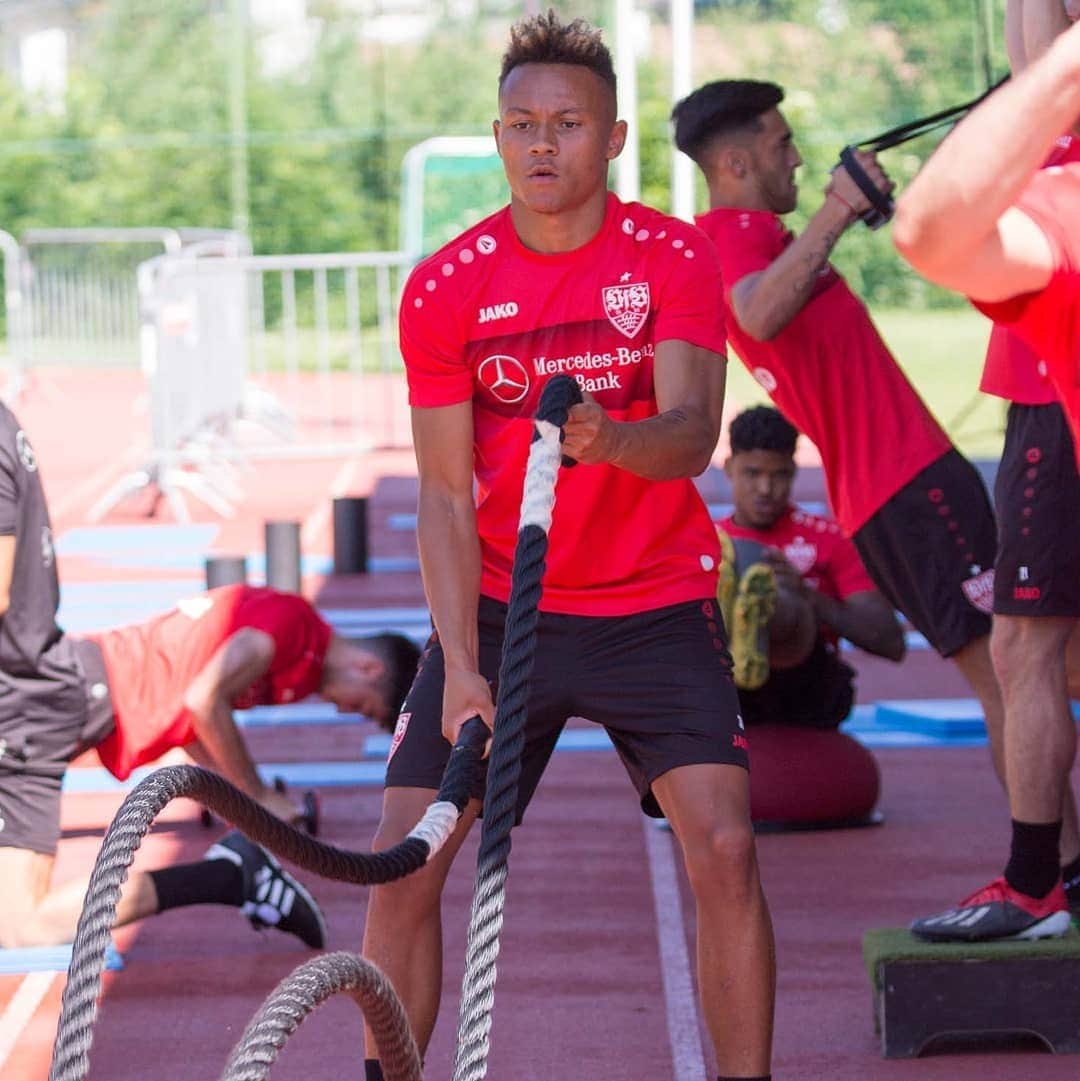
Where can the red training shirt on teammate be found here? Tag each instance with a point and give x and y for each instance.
(151, 665)
(1014, 371)
(830, 374)
(817, 549)
(485, 319)
(1049, 320)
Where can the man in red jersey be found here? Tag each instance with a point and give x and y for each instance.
(568, 279)
(822, 592)
(174, 682)
(985, 217)
(917, 511)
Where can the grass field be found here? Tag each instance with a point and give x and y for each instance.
(942, 353)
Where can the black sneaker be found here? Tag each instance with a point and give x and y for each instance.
(272, 897)
(998, 911)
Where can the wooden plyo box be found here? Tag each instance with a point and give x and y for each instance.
(924, 991)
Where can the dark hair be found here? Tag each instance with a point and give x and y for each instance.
(721, 108)
(543, 39)
(762, 428)
(402, 658)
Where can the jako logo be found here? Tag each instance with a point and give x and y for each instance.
(498, 311)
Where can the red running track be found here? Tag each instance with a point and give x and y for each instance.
(595, 966)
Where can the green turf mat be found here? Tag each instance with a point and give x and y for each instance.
(899, 944)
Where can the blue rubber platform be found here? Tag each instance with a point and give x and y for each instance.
(50, 959)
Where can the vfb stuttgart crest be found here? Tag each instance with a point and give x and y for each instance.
(627, 306)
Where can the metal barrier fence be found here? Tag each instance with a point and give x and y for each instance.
(263, 356)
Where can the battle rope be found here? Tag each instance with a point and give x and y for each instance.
(71, 1054)
(504, 769)
(881, 204)
(308, 987)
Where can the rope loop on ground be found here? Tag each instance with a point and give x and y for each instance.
(305, 989)
(74, 1034)
(508, 741)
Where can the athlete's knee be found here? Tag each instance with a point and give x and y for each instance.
(721, 857)
(1027, 647)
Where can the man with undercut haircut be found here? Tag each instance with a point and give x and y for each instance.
(628, 633)
(916, 509)
(987, 218)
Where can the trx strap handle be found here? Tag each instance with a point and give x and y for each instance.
(881, 204)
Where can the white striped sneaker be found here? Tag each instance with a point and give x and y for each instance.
(272, 897)
(998, 911)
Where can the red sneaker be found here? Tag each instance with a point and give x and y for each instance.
(998, 911)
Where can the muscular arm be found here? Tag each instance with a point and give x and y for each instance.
(764, 303)
(865, 619)
(1041, 21)
(240, 661)
(450, 554)
(7, 565)
(679, 441)
(955, 223)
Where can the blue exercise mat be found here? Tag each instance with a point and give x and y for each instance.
(294, 774)
(50, 959)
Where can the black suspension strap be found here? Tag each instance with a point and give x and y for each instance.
(504, 769)
(71, 1053)
(881, 204)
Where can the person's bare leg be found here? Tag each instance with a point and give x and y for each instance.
(1040, 734)
(33, 915)
(977, 667)
(403, 930)
(708, 807)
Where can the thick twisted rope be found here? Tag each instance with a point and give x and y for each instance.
(74, 1035)
(504, 768)
(302, 992)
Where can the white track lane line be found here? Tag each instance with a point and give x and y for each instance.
(679, 997)
(21, 1009)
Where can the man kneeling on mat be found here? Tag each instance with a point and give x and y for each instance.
(791, 585)
(135, 693)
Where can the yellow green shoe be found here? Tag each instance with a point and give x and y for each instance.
(727, 581)
(755, 600)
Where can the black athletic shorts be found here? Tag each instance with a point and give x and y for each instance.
(818, 693)
(44, 724)
(659, 682)
(1037, 499)
(930, 549)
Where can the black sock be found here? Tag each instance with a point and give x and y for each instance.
(372, 1070)
(1070, 874)
(760, 1077)
(208, 882)
(1034, 866)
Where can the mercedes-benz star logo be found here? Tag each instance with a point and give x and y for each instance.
(505, 377)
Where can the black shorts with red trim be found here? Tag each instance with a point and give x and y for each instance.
(1037, 499)
(930, 549)
(659, 682)
(818, 693)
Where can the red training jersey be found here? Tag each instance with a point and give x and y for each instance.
(830, 374)
(487, 320)
(151, 665)
(1049, 320)
(817, 548)
(1013, 370)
